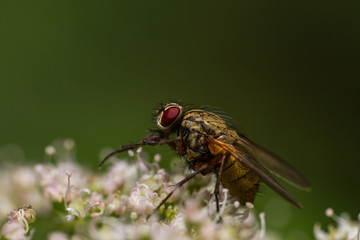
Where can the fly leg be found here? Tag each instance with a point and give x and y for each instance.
(168, 140)
(217, 185)
(177, 147)
(151, 140)
(177, 186)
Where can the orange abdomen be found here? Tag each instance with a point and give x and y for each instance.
(242, 182)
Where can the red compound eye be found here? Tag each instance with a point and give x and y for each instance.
(169, 116)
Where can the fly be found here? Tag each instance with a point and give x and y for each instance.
(210, 145)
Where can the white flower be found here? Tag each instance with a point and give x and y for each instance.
(18, 186)
(56, 235)
(346, 228)
(13, 230)
(17, 227)
(141, 200)
(115, 204)
(121, 176)
(194, 212)
(54, 182)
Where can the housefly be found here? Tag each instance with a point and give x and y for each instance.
(209, 144)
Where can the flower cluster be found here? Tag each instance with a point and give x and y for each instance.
(17, 226)
(116, 203)
(346, 228)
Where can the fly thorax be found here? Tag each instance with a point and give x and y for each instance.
(196, 141)
(195, 127)
(196, 148)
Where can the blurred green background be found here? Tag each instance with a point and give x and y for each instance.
(286, 72)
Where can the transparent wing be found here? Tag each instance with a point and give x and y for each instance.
(243, 153)
(277, 166)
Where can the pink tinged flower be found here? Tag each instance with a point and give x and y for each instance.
(154, 181)
(13, 230)
(178, 224)
(161, 231)
(57, 236)
(18, 225)
(70, 217)
(161, 175)
(157, 157)
(142, 166)
(19, 184)
(131, 153)
(50, 181)
(114, 179)
(23, 177)
(53, 179)
(141, 200)
(166, 188)
(115, 204)
(208, 231)
(95, 205)
(86, 203)
(25, 215)
(195, 213)
(121, 176)
(109, 228)
(139, 150)
(122, 206)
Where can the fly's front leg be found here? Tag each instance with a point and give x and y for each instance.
(179, 147)
(149, 140)
(172, 145)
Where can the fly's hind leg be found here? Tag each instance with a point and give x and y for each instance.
(177, 186)
(217, 185)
